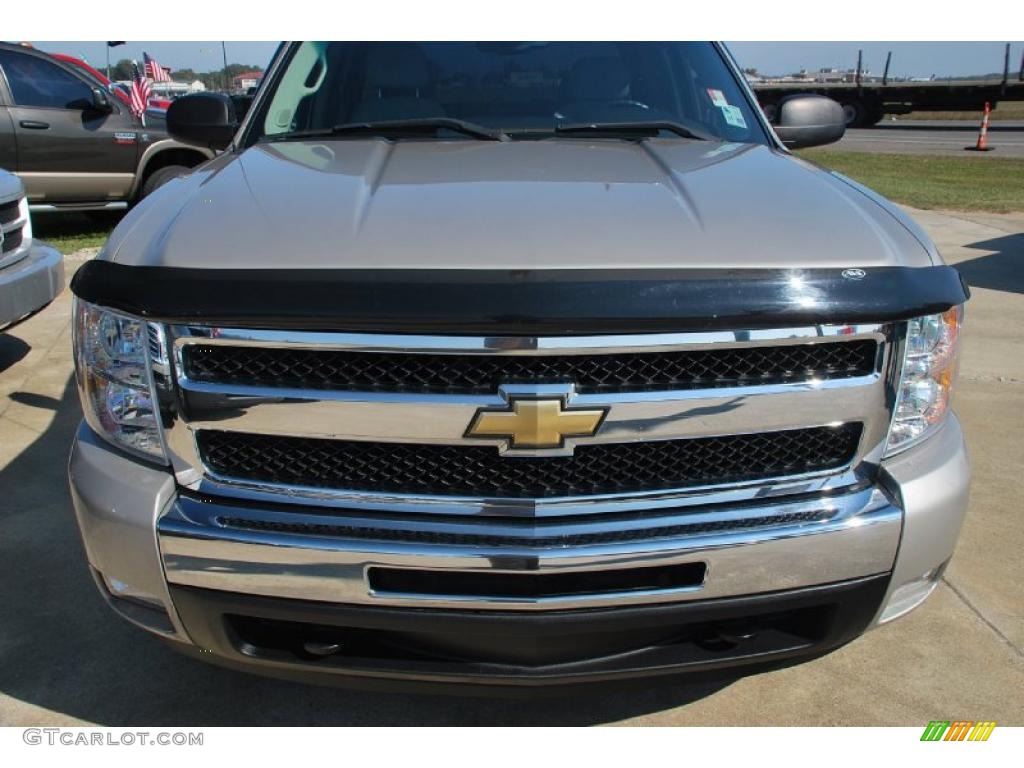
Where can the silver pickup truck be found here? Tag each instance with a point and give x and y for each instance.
(31, 272)
(514, 364)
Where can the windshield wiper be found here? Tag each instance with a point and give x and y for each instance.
(639, 129)
(396, 127)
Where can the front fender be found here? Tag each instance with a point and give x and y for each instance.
(157, 148)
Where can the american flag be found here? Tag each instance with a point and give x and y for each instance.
(140, 92)
(154, 70)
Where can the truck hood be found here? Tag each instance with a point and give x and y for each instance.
(552, 204)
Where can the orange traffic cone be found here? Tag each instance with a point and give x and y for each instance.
(982, 145)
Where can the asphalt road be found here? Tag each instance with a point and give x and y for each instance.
(65, 659)
(941, 137)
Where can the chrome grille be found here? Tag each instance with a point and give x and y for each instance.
(331, 370)
(9, 212)
(12, 241)
(13, 222)
(156, 342)
(272, 416)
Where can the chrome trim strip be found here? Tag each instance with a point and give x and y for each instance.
(521, 345)
(737, 493)
(18, 223)
(51, 208)
(443, 419)
(859, 539)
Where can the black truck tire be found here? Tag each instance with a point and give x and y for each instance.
(861, 114)
(161, 176)
(854, 112)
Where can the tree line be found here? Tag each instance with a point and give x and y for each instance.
(216, 80)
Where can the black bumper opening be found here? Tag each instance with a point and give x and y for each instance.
(492, 584)
(288, 638)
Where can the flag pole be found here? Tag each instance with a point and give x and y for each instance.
(224, 53)
(136, 76)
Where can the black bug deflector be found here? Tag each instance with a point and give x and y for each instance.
(555, 302)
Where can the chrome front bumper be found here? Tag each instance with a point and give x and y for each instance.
(30, 283)
(860, 538)
(139, 531)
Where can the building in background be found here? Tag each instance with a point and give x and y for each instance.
(246, 80)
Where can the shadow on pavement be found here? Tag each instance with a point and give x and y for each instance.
(35, 401)
(61, 649)
(12, 350)
(56, 225)
(999, 271)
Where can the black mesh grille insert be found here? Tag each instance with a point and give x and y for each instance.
(375, 371)
(12, 241)
(480, 471)
(9, 212)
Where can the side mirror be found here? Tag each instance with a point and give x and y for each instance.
(203, 118)
(100, 102)
(809, 121)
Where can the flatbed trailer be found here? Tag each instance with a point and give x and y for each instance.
(865, 102)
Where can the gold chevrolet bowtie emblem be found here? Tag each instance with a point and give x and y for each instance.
(536, 423)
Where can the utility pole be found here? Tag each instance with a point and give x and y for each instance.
(224, 52)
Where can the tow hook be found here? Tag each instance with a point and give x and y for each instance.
(321, 650)
(729, 635)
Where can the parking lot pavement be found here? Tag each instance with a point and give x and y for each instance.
(65, 659)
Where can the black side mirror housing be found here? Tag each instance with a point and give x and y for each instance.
(809, 121)
(207, 119)
(100, 102)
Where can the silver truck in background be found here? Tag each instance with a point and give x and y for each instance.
(31, 272)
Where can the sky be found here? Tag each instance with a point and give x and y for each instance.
(919, 59)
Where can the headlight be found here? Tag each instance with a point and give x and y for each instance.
(111, 363)
(929, 368)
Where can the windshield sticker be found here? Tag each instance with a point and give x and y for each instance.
(733, 116)
(718, 98)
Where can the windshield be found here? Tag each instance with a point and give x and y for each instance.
(521, 90)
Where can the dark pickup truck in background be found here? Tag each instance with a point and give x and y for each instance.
(74, 145)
